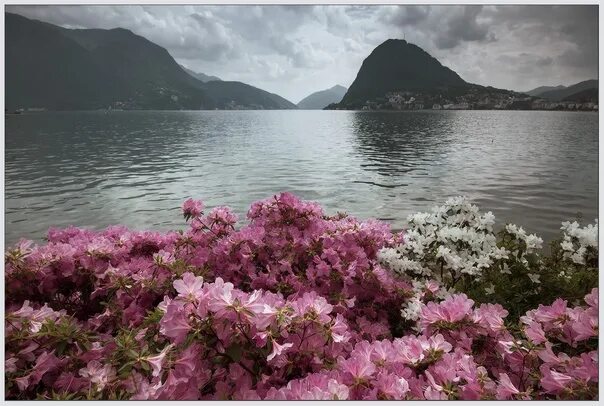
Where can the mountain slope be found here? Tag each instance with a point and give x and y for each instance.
(45, 68)
(200, 76)
(323, 98)
(53, 67)
(542, 89)
(64, 69)
(237, 95)
(557, 95)
(584, 96)
(397, 65)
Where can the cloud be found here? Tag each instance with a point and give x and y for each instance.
(292, 50)
(463, 25)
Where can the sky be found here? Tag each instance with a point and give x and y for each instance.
(296, 50)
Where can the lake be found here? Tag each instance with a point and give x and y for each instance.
(94, 169)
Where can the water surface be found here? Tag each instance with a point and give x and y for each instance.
(93, 169)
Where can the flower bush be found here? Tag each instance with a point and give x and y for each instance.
(293, 305)
(456, 245)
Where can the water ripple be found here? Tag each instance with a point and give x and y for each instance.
(93, 169)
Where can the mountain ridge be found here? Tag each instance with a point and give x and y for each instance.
(558, 95)
(200, 76)
(397, 65)
(322, 98)
(84, 69)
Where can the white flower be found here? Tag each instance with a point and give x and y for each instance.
(500, 253)
(506, 269)
(566, 245)
(412, 309)
(534, 277)
(490, 290)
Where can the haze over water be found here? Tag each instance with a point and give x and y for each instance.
(92, 169)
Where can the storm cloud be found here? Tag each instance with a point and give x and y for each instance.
(295, 50)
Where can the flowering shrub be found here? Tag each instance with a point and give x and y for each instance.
(293, 305)
(456, 245)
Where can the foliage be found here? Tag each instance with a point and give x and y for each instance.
(293, 305)
(455, 244)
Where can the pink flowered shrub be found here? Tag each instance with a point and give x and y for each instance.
(293, 305)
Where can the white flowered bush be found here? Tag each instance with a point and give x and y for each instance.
(454, 240)
(580, 245)
(456, 246)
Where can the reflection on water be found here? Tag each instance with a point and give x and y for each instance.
(93, 169)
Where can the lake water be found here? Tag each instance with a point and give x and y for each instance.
(93, 169)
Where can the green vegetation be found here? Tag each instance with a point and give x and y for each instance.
(63, 69)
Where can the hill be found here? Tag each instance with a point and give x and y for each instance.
(200, 76)
(72, 69)
(558, 95)
(396, 65)
(323, 98)
(542, 89)
(238, 95)
(583, 96)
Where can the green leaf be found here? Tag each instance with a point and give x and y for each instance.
(235, 351)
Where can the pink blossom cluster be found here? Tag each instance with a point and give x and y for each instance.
(293, 305)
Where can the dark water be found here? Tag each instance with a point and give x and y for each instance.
(93, 169)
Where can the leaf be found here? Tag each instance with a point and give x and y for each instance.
(235, 351)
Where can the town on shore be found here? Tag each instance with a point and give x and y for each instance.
(406, 100)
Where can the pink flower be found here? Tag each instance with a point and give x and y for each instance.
(358, 367)
(174, 323)
(391, 386)
(585, 326)
(409, 349)
(189, 287)
(554, 382)
(534, 332)
(339, 330)
(547, 355)
(98, 374)
(22, 382)
(490, 316)
(451, 310)
(505, 389)
(157, 361)
(592, 299)
(278, 349)
(192, 208)
(549, 314)
(337, 390)
(310, 302)
(10, 365)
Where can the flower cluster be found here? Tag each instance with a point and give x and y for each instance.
(451, 241)
(580, 245)
(293, 305)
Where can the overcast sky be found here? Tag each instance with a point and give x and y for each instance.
(296, 50)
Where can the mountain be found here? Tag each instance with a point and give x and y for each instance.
(237, 95)
(200, 76)
(542, 89)
(558, 95)
(66, 69)
(584, 96)
(56, 68)
(397, 65)
(323, 98)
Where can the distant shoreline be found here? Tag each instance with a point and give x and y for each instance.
(354, 110)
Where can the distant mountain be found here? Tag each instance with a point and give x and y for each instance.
(63, 69)
(323, 98)
(542, 89)
(237, 95)
(558, 95)
(200, 76)
(584, 96)
(397, 65)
